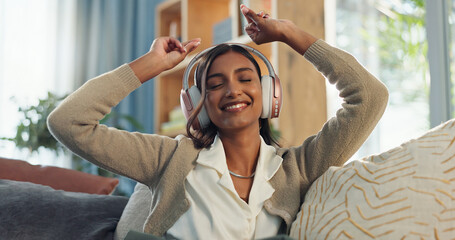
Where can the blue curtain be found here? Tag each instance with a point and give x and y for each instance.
(109, 34)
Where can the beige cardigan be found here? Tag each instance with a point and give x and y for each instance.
(162, 163)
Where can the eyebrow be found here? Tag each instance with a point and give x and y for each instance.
(235, 71)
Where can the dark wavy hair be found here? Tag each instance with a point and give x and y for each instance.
(203, 138)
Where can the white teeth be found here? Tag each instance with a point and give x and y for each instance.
(235, 106)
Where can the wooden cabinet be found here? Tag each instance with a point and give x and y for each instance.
(304, 105)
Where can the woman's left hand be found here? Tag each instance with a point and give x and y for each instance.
(262, 28)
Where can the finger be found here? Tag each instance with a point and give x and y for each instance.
(249, 14)
(263, 14)
(189, 47)
(175, 44)
(190, 41)
(250, 32)
(251, 28)
(192, 44)
(172, 47)
(244, 11)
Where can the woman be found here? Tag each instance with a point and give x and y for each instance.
(234, 185)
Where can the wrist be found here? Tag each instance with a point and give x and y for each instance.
(297, 38)
(147, 67)
(288, 28)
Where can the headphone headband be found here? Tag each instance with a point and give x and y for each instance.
(193, 61)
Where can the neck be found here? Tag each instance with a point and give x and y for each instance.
(242, 150)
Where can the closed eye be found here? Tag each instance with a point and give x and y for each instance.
(245, 80)
(215, 86)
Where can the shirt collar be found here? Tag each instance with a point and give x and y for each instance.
(214, 157)
(268, 161)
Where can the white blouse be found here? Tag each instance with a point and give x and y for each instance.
(216, 210)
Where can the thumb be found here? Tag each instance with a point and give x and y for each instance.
(191, 44)
(249, 14)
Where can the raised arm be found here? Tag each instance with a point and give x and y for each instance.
(365, 97)
(75, 122)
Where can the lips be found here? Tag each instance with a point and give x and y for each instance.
(235, 107)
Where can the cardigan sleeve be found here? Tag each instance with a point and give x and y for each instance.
(75, 123)
(365, 99)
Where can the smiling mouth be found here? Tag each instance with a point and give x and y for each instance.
(236, 107)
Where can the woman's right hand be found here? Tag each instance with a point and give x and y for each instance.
(171, 51)
(165, 53)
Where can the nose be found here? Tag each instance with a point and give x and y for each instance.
(233, 89)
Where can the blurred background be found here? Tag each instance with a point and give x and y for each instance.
(49, 48)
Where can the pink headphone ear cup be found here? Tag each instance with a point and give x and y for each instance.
(267, 95)
(185, 104)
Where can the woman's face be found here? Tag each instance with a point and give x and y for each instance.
(234, 92)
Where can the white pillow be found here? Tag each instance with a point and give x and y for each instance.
(405, 193)
(135, 213)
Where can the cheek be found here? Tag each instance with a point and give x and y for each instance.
(210, 103)
(257, 92)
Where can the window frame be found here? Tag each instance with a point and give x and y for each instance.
(439, 61)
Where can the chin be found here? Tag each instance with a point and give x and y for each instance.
(233, 125)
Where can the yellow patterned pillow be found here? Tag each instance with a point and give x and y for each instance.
(405, 193)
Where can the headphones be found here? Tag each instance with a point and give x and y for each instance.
(271, 91)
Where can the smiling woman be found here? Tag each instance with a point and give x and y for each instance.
(237, 185)
(243, 77)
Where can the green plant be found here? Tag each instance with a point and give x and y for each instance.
(32, 132)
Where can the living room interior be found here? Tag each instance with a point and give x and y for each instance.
(49, 48)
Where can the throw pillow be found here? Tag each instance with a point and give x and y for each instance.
(135, 213)
(55, 177)
(407, 192)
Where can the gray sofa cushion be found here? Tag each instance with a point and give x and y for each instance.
(34, 211)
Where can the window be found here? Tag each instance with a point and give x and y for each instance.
(389, 38)
(451, 21)
(32, 43)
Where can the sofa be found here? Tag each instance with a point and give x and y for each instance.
(44, 202)
(407, 192)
